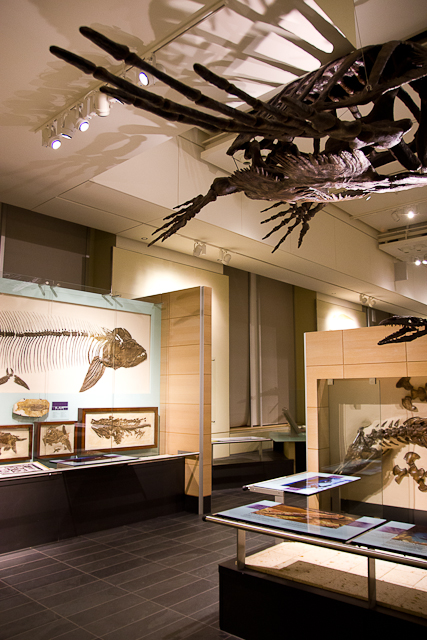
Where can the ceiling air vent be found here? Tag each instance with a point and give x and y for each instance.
(405, 243)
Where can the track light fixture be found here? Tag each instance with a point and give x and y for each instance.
(75, 118)
(224, 257)
(50, 137)
(367, 301)
(199, 249)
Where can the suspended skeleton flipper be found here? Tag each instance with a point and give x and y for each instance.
(94, 374)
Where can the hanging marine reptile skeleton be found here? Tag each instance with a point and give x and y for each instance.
(32, 343)
(367, 447)
(307, 107)
(410, 328)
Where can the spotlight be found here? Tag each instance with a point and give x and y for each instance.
(417, 262)
(199, 249)
(102, 105)
(425, 259)
(146, 78)
(50, 137)
(395, 216)
(363, 298)
(68, 124)
(411, 214)
(224, 257)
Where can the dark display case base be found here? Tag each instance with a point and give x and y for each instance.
(47, 508)
(241, 469)
(254, 606)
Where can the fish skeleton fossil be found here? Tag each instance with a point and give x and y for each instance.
(32, 343)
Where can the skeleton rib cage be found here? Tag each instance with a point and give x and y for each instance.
(278, 171)
(31, 342)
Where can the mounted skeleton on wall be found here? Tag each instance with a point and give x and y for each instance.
(347, 166)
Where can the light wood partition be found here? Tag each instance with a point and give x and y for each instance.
(354, 354)
(185, 384)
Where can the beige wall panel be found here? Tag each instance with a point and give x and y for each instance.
(417, 369)
(361, 346)
(207, 389)
(184, 389)
(208, 301)
(182, 442)
(184, 359)
(375, 370)
(312, 428)
(323, 422)
(184, 303)
(163, 361)
(183, 418)
(312, 459)
(324, 348)
(417, 349)
(183, 331)
(192, 478)
(165, 333)
(164, 387)
(320, 373)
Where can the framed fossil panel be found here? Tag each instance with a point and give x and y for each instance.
(57, 439)
(118, 429)
(16, 442)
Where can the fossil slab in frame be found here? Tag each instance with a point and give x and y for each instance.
(57, 439)
(16, 442)
(119, 429)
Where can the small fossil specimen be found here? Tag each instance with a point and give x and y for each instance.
(31, 408)
(8, 441)
(57, 436)
(119, 428)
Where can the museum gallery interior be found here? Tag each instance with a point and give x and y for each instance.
(213, 367)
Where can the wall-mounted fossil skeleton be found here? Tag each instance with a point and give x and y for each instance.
(347, 166)
(30, 342)
(367, 447)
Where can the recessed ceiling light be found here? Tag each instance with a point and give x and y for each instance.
(410, 214)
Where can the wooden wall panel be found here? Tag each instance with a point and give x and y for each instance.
(180, 381)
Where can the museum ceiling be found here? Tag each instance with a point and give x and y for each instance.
(95, 178)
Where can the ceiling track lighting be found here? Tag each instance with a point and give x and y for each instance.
(199, 249)
(367, 301)
(82, 121)
(224, 257)
(75, 118)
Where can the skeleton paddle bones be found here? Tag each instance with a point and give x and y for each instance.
(353, 150)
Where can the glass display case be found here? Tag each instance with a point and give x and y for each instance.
(79, 374)
(376, 430)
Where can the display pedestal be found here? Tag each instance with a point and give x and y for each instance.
(254, 606)
(51, 507)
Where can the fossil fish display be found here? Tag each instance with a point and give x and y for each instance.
(346, 154)
(58, 438)
(33, 343)
(410, 328)
(8, 441)
(383, 438)
(119, 428)
(31, 408)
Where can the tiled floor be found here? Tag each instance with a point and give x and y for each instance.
(156, 580)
